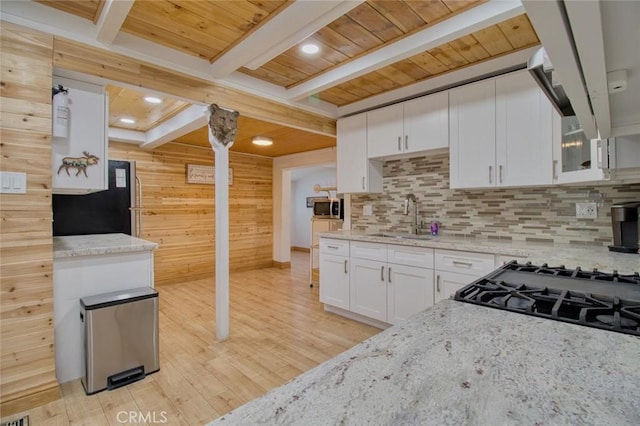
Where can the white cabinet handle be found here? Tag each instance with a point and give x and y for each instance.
(438, 283)
(500, 170)
(333, 247)
(555, 170)
(490, 174)
(382, 273)
(406, 142)
(345, 266)
(389, 273)
(363, 182)
(399, 143)
(467, 264)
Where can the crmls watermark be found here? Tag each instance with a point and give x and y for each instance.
(140, 417)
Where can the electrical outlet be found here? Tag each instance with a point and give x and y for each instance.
(586, 210)
(367, 210)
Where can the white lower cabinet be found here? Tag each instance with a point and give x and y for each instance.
(447, 283)
(369, 288)
(389, 283)
(454, 269)
(334, 272)
(409, 291)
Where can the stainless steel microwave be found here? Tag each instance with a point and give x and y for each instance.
(328, 208)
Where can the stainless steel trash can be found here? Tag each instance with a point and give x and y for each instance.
(120, 338)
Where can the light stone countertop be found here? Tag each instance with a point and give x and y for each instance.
(462, 364)
(98, 244)
(587, 257)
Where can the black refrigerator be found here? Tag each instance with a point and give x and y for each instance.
(105, 212)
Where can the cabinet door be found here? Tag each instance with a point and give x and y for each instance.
(334, 280)
(409, 291)
(426, 123)
(79, 161)
(355, 173)
(472, 134)
(368, 287)
(385, 135)
(523, 132)
(447, 283)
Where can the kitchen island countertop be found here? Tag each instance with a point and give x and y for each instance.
(570, 255)
(98, 244)
(461, 364)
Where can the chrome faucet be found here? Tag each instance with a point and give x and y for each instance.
(414, 223)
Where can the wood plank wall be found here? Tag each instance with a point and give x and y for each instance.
(180, 217)
(27, 369)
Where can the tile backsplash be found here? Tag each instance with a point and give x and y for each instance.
(519, 214)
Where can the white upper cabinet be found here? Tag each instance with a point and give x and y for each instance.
(79, 142)
(472, 131)
(523, 132)
(501, 133)
(414, 126)
(355, 172)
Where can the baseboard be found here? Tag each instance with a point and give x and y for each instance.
(28, 402)
(357, 317)
(302, 249)
(281, 265)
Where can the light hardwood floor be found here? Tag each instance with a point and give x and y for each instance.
(278, 329)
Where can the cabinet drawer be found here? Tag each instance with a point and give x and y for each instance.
(371, 251)
(410, 256)
(340, 247)
(464, 262)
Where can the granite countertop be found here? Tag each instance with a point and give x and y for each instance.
(571, 256)
(461, 364)
(98, 244)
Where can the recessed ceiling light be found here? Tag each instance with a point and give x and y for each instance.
(127, 120)
(153, 100)
(310, 48)
(262, 141)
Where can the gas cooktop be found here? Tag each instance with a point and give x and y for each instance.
(591, 298)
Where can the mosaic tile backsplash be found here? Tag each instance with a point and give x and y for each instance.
(545, 214)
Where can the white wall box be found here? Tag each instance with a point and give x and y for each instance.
(334, 272)
(415, 126)
(81, 276)
(500, 133)
(72, 156)
(355, 172)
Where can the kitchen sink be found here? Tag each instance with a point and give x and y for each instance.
(401, 236)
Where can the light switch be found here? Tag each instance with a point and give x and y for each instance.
(121, 178)
(13, 183)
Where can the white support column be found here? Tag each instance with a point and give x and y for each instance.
(222, 240)
(223, 126)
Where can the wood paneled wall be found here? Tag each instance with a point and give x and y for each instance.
(180, 217)
(27, 369)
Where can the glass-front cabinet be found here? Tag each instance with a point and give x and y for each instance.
(576, 158)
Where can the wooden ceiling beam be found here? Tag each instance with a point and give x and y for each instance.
(474, 19)
(111, 19)
(78, 57)
(293, 24)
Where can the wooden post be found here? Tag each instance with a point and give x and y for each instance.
(223, 127)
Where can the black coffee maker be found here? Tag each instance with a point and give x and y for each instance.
(626, 233)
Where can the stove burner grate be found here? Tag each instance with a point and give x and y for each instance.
(564, 304)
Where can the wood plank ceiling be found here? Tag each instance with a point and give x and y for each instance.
(210, 29)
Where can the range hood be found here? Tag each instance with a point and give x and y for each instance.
(541, 70)
(593, 47)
